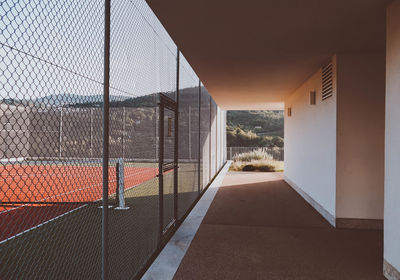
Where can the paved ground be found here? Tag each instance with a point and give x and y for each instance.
(258, 227)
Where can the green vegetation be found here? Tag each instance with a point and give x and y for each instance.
(255, 128)
(256, 161)
(268, 121)
(236, 137)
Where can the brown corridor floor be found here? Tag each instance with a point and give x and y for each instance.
(258, 227)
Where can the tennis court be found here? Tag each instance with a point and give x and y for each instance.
(68, 240)
(46, 190)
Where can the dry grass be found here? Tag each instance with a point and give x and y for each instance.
(257, 165)
(255, 155)
(256, 160)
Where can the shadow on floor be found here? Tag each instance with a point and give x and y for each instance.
(258, 227)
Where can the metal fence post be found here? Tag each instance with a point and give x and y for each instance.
(216, 138)
(106, 123)
(61, 131)
(123, 131)
(199, 148)
(91, 132)
(176, 154)
(209, 144)
(190, 132)
(161, 175)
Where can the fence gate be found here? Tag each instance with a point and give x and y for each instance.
(167, 164)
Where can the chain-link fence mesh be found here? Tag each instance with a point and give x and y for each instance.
(205, 137)
(219, 139)
(188, 185)
(213, 138)
(141, 67)
(51, 63)
(51, 138)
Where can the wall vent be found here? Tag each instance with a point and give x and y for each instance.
(313, 97)
(327, 81)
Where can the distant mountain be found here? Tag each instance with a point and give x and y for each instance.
(77, 100)
(255, 129)
(262, 123)
(74, 99)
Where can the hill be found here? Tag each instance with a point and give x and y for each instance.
(269, 123)
(255, 128)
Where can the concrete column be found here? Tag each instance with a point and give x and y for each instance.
(392, 153)
(360, 140)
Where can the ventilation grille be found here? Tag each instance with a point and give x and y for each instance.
(327, 81)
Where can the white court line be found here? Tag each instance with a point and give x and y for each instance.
(12, 160)
(55, 218)
(39, 225)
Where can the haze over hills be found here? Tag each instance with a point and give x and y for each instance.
(188, 95)
(71, 99)
(77, 100)
(63, 99)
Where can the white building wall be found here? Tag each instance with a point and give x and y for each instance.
(360, 137)
(310, 144)
(392, 154)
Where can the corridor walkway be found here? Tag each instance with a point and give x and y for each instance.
(258, 227)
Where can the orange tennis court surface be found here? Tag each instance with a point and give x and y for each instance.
(54, 184)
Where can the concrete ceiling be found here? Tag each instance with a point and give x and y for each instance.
(251, 54)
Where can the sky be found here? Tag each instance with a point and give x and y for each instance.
(56, 47)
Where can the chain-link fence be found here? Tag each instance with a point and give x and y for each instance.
(205, 137)
(166, 138)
